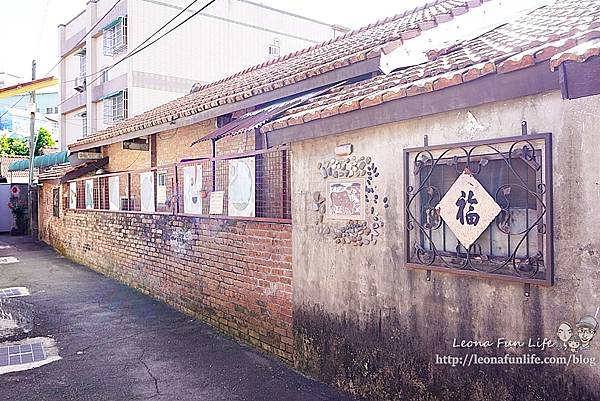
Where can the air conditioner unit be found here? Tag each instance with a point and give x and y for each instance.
(79, 84)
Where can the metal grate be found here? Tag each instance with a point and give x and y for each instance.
(21, 354)
(517, 173)
(270, 180)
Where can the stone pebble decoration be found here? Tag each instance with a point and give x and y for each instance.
(357, 233)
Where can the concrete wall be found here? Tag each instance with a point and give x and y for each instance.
(367, 324)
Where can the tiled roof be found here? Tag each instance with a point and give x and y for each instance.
(55, 172)
(5, 161)
(353, 47)
(566, 30)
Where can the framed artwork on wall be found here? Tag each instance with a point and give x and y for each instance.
(192, 185)
(242, 188)
(113, 193)
(345, 199)
(89, 194)
(147, 191)
(72, 195)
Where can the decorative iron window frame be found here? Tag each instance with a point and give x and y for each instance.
(545, 191)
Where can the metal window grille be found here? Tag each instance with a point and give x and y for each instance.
(84, 130)
(115, 108)
(274, 49)
(516, 172)
(269, 185)
(115, 38)
(82, 65)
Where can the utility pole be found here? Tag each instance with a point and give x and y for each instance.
(32, 142)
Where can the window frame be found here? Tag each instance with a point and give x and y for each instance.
(417, 226)
(114, 38)
(112, 105)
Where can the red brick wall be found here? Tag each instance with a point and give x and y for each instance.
(235, 275)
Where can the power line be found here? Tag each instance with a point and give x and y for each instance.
(143, 45)
(12, 107)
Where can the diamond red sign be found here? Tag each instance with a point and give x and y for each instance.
(467, 209)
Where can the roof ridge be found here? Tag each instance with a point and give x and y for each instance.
(296, 53)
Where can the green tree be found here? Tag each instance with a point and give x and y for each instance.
(13, 146)
(44, 140)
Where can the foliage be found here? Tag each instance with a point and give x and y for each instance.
(20, 146)
(44, 140)
(13, 146)
(19, 211)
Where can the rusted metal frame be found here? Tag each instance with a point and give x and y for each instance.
(128, 191)
(175, 194)
(233, 155)
(282, 175)
(213, 163)
(280, 149)
(548, 249)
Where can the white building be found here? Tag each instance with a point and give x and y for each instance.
(227, 37)
(8, 79)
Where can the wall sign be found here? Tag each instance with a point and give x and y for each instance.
(147, 191)
(72, 195)
(467, 209)
(216, 202)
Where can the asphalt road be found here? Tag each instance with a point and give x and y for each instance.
(118, 344)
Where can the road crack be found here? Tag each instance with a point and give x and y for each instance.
(141, 359)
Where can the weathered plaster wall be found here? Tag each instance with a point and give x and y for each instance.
(367, 324)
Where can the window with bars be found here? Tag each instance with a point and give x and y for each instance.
(115, 108)
(82, 64)
(514, 174)
(115, 37)
(274, 49)
(84, 124)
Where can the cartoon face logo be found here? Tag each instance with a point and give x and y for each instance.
(564, 332)
(574, 343)
(579, 339)
(586, 329)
